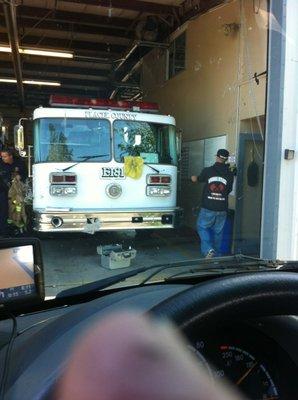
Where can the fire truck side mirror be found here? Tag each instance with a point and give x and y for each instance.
(179, 143)
(4, 134)
(19, 143)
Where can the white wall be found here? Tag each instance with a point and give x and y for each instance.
(216, 90)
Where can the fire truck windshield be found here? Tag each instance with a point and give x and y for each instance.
(69, 139)
(155, 143)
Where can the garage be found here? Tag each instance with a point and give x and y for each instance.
(203, 62)
(148, 188)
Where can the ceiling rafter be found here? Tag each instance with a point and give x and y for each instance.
(56, 69)
(134, 5)
(199, 7)
(12, 33)
(108, 49)
(74, 17)
(104, 36)
(53, 76)
(67, 26)
(60, 63)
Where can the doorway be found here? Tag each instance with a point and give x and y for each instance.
(247, 228)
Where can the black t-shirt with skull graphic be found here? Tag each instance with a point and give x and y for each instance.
(218, 181)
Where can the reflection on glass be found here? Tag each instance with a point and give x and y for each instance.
(16, 272)
(155, 143)
(63, 140)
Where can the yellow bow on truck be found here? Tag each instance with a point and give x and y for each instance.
(133, 167)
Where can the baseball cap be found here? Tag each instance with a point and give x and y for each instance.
(223, 153)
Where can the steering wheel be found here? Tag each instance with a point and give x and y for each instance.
(241, 296)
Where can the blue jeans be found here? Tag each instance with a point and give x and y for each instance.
(210, 226)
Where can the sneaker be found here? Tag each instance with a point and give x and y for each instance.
(210, 254)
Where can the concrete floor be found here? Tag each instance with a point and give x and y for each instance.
(72, 260)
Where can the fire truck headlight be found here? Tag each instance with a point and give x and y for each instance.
(158, 191)
(70, 190)
(58, 190)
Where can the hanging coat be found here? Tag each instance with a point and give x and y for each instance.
(16, 204)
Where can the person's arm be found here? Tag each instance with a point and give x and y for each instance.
(201, 178)
(230, 183)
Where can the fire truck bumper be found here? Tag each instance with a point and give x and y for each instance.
(91, 222)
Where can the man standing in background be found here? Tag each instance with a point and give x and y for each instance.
(218, 181)
(9, 168)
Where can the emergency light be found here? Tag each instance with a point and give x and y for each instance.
(56, 177)
(68, 101)
(158, 179)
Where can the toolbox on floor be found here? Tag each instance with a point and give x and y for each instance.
(113, 256)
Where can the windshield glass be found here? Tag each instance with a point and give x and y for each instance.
(155, 143)
(211, 175)
(69, 139)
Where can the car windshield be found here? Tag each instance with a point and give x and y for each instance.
(157, 133)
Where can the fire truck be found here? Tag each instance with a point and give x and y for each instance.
(81, 150)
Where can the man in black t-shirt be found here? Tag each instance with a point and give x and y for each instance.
(218, 181)
(9, 168)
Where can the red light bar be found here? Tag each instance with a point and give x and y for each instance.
(67, 101)
(157, 179)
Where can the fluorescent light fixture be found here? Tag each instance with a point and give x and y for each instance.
(7, 80)
(46, 53)
(31, 82)
(36, 52)
(44, 83)
(5, 49)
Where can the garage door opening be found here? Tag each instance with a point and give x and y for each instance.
(213, 80)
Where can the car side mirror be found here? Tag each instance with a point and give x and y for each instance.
(21, 273)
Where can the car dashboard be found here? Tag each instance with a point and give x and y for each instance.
(259, 356)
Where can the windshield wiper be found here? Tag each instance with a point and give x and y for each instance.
(203, 272)
(85, 159)
(94, 287)
(230, 264)
(150, 166)
(212, 265)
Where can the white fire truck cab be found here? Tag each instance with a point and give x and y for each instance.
(79, 184)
